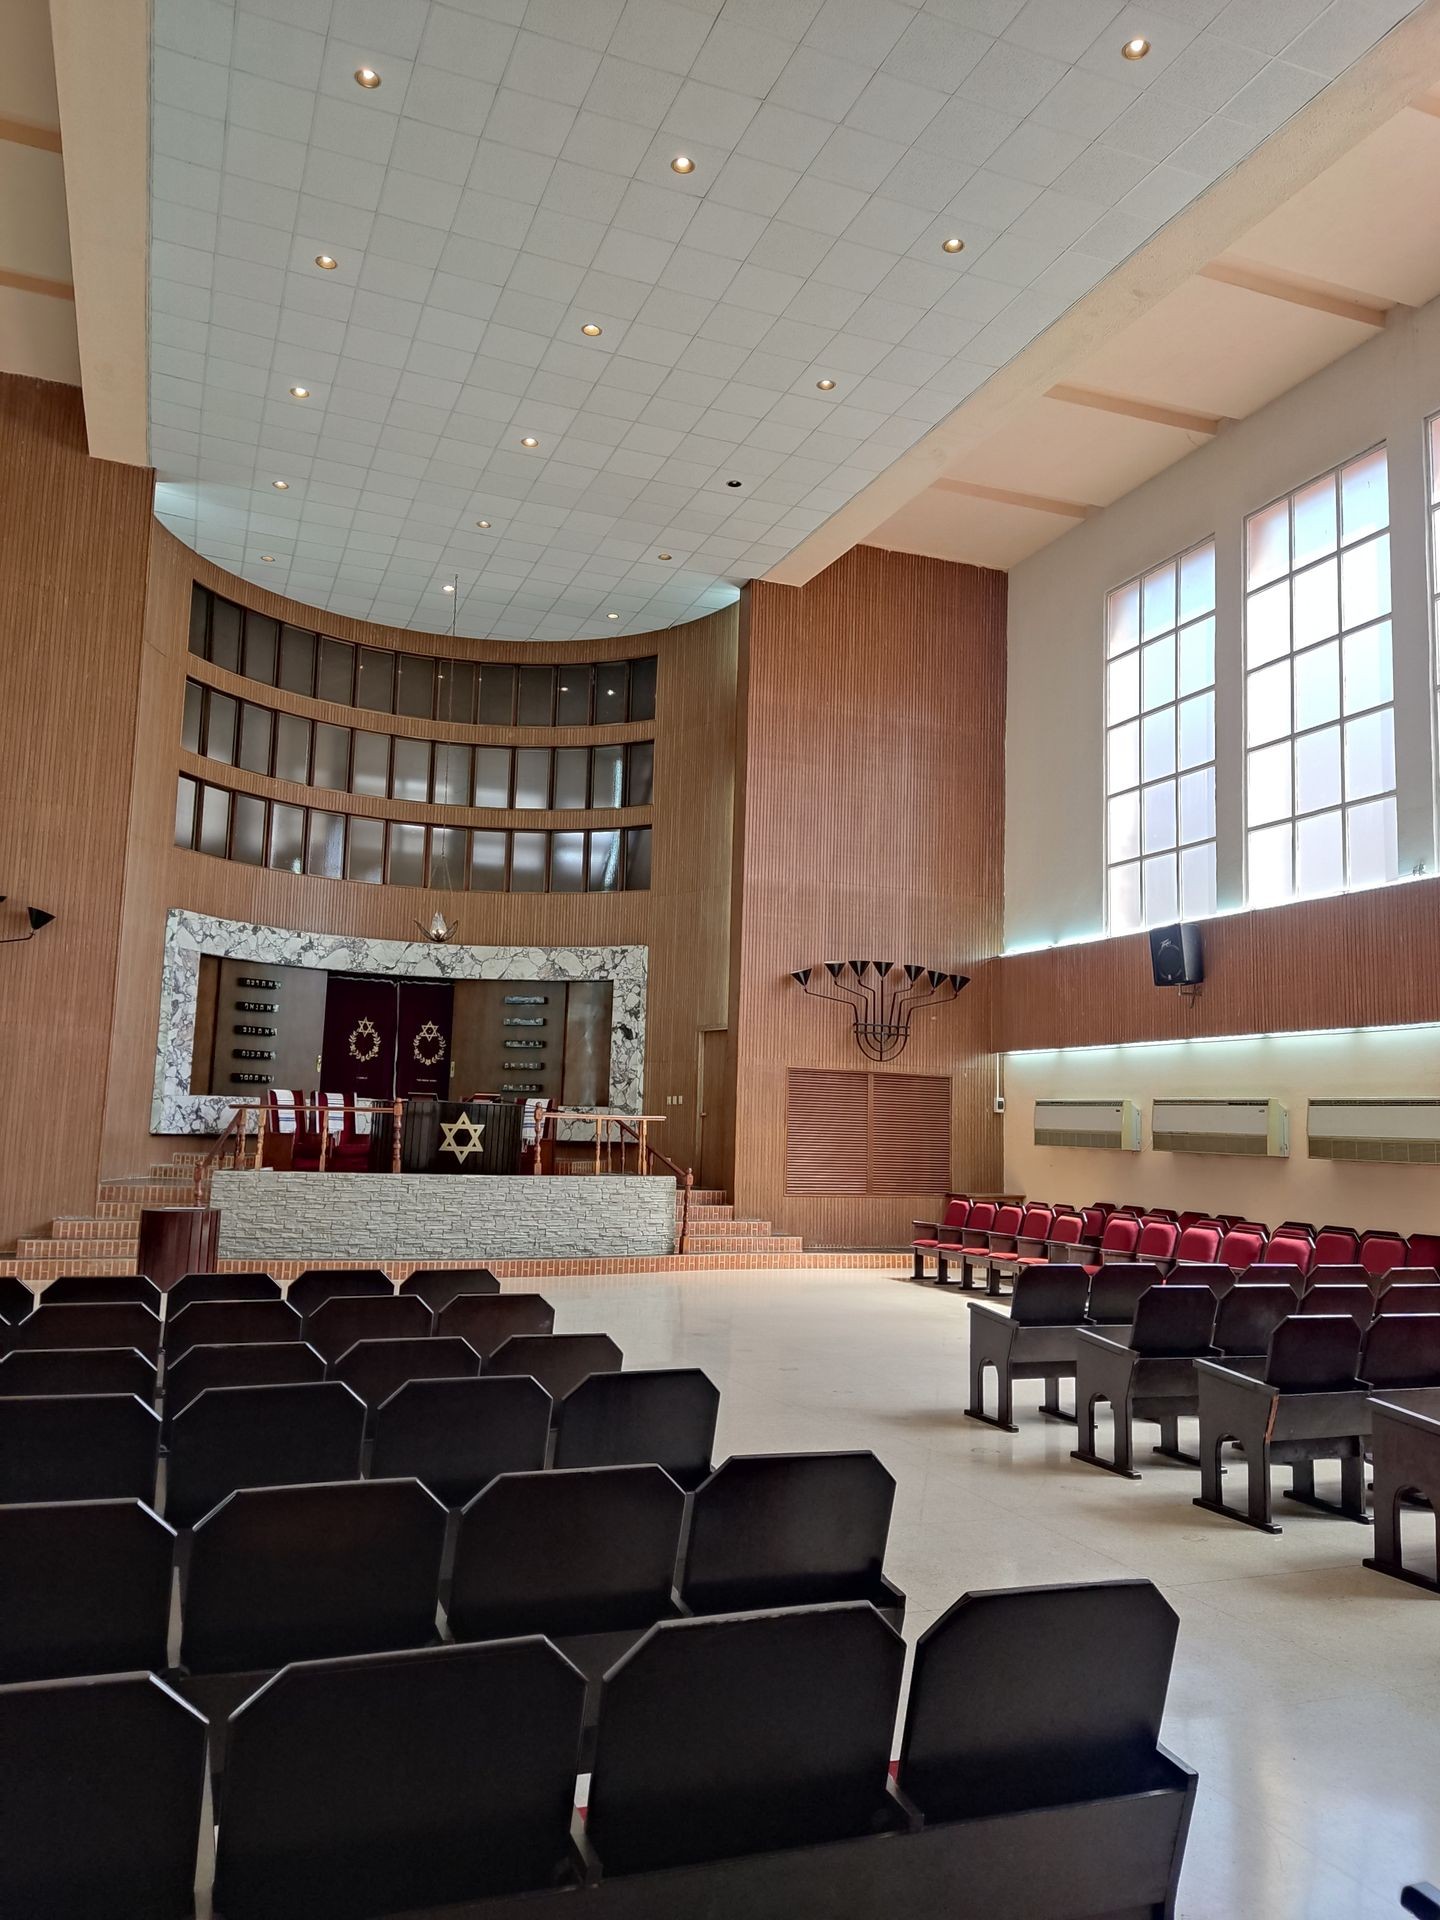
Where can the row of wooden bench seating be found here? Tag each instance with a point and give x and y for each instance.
(742, 1766)
(436, 1286)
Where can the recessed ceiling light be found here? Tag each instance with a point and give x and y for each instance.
(529, 440)
(953, 245)
(482, 523)
(826, 386)
(591, 331)
(280, 486)
(366, 77)
(732, 483)
(268, 558)
(682, 163)
(327, 261)
(449, 587)
(612, 616)
(1137, 48)
(664, 556)
(299, 393)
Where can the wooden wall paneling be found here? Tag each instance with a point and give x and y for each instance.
(868, 822)
(74, 542)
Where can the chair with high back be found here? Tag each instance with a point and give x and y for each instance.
(1276, 1273)
(1402, 1350)
(487, 1321)
(336, 1324)
(50, 1370)
(1290, 1246)
(664, 1415)
(559, 1361)
(315, 1284)
(1034, 1341)
(1417, 1298)
(455, 1435)
(932, 1237)
(1198, 1244)
(980, 1243)
(119, 1324)
(231, 1437)
(977, 1221)
(1209, 1274)
(193, 1287)
(102, 1290)
(1336, 1246)
(230, 1323)
(1357, 1301)
(1243, 1245)
(78, 1446)
(1337, 1274)
(1380, 1251)
(1118, 1241)
(1031, 1249)
(1423, 1250)
(438, 1286)
(1145, 1372)
(255, 1363)
(84, 1588)
(377, 1368)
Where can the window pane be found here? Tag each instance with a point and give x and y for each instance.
(1365, 582)
(532, 776)
(642, 688)
(190, 722)
(604, 862)
(262, 644)
(1157, 601)
(220, 717)
(1314, 530)
(612, 690)
(1197, 582)
(452, 775)
(1267, 624)
(572, 776)
(487, 862)
(1435, 459)
(1123, 757)
(1368, 680)
(455, 683)
(448, 858)
(335, 678)
(255, 728)
(1158, 817)
(1197, 881)
(492, 776)
(1197, 805)
(1125, 898)
(247, 834)
(332, 757)
(1317, 603)
(292, 748)
(1267, 541)
(375, 679)
(1371, 851)
(1197, 656)
(297, 660)
(1320, 853)
(199, 620)
(572, 696)
(537, 696)
(1267, 704)
(410, 773)
(1317, 771)
(416, 686)
(325, 845)
(186, 794)
(567, 863)
(370, 771)
(640, 778)
(1271, 877)
(214, 821)
(1123, 687)
(497, 696)
(607, 777)
(637, 858)
(1317, 686)
(527, 863)
(1161, 888)
(1268, 785)
(1123, 827)
(1197, 730)
(1364, 496)
(1157, 673)
(287, 838)
(407, 855)
(365, 854)
(225, 620)
(1369, 754)
(1122, 619)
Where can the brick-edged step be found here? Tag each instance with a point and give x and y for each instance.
(742, 1243)
(146, 1193)
(80, 1256)
(87, 1227)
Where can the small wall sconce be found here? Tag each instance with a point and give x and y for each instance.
(37, 917)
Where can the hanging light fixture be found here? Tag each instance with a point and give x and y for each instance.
(440, 930)
(881, 1008)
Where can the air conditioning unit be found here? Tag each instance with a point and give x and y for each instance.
(1403, 1133)
(1088, 1123)
(1259, 1129)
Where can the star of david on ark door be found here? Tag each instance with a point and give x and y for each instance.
(450, 1137)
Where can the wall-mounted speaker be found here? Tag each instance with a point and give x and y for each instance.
(1175, 956)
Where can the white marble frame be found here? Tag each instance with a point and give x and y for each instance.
(174, 1109)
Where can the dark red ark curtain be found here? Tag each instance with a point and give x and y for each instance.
(423, 1049)
(358, 1053)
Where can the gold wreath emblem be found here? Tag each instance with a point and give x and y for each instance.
(364, 1041)
(433, 1040)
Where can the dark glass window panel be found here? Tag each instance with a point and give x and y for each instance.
(410, 775)
(452, 775)
(407, 855)
(247, 832)
(335, 675)
(325, 845)
(637, 858)
(497, 696)
(190, 721)
(640, 780)
(370, 770)
(527, 862)
(365, 855)
(220, 717)
(455, 683)
(572, 696)
(612, 690)
(375, 679)
(287, 838)
(262, 640)
(199, 620)
(332, 757)
(604, 862)
(492, 776)
(532, 776)
(572, 776)
(642, 688)
(292, 748)
(567, 863)
(255, 729)
(487, 861)
(607, 783)
(186, 793)
(297, 660)
(537, 696)
(415, 692)
(448, 854)
(214, 820)
(225, 619)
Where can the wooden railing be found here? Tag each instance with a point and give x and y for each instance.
(235, 1138)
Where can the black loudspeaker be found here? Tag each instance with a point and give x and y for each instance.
(1175, 956)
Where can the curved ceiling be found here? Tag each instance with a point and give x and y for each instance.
(509, 182)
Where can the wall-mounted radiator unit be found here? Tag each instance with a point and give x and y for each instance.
(1088, 1123)
(1403, 1133)
(1257, 1128)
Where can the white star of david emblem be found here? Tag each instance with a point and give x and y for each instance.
(450, 1137)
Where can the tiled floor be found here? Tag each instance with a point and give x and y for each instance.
(1306, 1690)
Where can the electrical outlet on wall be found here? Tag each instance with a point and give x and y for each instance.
(999, 1103)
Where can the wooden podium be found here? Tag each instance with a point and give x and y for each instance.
(177, 1240)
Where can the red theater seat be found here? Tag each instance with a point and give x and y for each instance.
(932, 1235)
(1031, 1245)
(1157, 1242)
(1424, 1250)
(1290, 1247)
(1117, 1242)
(1242, 1246)
(1199, 1243)
(1380, 1251)
(1336, 1246)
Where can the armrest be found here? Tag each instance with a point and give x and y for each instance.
(928, 1226)
(989, 1313)
(1227, 1378)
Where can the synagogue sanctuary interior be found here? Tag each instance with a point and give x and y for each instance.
(720, 810)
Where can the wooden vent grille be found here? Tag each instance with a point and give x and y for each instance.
(867, 1132)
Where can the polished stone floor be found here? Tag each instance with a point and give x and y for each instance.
(1306, 1691)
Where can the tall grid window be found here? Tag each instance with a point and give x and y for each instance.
(1319, 693)
(1160, 744)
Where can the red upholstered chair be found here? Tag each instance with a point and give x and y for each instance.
(1424, 1250)
(1031, 1247)
(1242, 1246)
(1117, 1242)
(1092, 1223)
(998, 1237)
(1066, 1230)
(1291, 1246)
(981, 1216)
(1191, 1219)
(1380, 1251)
(1157, 1242)
(1336, 1246)
(1159, 1213)
(931, 1235)
(1199, 1243)
(349, 1150)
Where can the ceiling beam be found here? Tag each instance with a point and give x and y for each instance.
(20, 133)
(1368, 311)
(1159, 415)
(1005, 497)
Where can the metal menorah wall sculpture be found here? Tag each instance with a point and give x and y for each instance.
(881, 1009)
